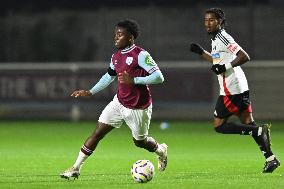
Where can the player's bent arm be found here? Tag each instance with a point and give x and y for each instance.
(242, 57)
(154, 78)
(103, 83)
(146, 62)
(207, 56)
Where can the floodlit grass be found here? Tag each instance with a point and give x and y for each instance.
(32, 154)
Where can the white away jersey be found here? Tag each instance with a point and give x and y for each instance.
(224, 50)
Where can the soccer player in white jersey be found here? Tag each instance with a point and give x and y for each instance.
(135, 70)
(227, 56)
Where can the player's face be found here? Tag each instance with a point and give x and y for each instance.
(212, 24)
(122, 38)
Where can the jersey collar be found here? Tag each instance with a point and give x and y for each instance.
(128, 49)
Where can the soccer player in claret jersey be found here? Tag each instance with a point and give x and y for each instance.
(227, 56)
(135, 70)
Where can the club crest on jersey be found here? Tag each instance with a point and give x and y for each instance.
(149, 60)
(129, 60)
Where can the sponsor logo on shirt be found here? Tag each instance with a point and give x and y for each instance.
(129, 60)
(216, 57)
(149, 60)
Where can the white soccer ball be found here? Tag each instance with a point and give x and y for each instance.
(142, 171)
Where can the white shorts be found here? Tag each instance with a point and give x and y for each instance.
(137, 120)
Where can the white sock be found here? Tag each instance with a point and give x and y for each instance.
(160, 150)
(80, 160)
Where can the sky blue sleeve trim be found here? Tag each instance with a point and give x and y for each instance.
(103, 83)
(155, 78)
(150, 66)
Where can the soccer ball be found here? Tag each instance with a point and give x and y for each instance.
(142, 171)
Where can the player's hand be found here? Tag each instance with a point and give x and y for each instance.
(196, 48)
(125, 78)
(218, 69)
(79, 93)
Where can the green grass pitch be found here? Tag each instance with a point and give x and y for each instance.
(32, 154)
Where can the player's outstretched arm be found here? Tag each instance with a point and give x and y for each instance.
(103, 83)
(196, 48)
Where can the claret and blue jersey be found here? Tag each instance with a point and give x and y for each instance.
(138, 63)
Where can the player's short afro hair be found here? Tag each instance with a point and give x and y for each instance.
(218, 13)
(131, 26)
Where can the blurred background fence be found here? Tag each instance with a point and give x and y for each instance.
(50, 48)
(42, 91)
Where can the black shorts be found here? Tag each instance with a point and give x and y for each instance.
(232, 104)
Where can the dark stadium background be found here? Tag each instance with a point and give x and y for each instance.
(50, 48)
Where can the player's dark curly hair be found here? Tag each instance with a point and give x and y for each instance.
(131, 26)
(219, 15)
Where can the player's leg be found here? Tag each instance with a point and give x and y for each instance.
(139, 121)
(224, 108)
(263, 141)
(222, 126)
(91, 143)
(152, 145)
(148, 143)
(263, 138)
(87, 150)
(108, 120)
